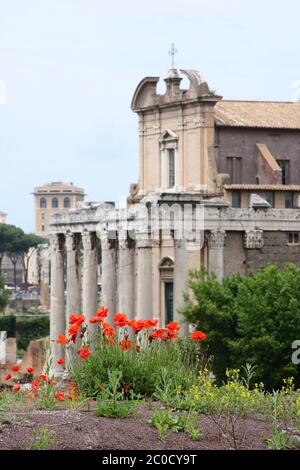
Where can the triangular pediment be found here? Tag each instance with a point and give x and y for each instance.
(168, 135)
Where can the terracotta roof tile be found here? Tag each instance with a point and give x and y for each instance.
(263, 187)
(265, 114)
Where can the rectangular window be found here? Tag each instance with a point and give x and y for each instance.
(236, 199)
(171, 164)
(43, 228)
(285, 168)
(293, 238)
(288, 200)
(234, 169)
(269, 196)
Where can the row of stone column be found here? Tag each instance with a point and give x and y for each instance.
(128, 272)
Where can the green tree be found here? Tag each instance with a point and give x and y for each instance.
(30, 244)
(251, 319)
(4, 295)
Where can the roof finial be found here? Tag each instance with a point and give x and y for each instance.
(172, 53)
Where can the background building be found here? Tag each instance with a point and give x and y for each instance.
(54, 198)
(2, 217)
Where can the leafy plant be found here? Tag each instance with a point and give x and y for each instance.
(42, 439)
(249, 319)
(111, 401)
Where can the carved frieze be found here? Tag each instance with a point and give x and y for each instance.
(254, 239)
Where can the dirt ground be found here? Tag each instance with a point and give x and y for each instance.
(72, 429)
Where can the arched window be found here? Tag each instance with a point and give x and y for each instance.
(54, 203)
(67, 202)
(43, 203)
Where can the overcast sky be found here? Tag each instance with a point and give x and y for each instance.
(68, 70)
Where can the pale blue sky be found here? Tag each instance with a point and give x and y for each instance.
(70, 68)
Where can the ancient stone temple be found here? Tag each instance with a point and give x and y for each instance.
(219, 187)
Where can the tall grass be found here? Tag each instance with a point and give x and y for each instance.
(142, 370)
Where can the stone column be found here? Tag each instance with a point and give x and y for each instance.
(144, 278)
(57, 300)
(109, 275)
(73, 274)
(126, 277)
(89, 282)
(45, 272)
(216, 240)
(181, 279)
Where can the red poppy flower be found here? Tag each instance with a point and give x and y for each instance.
(102, 312)
(150, 324)
(120, 319)
(138, 348)
(62, 340)
(15, 368)
(43, 377)
(74, 329)
(84, 352)
(76, 319)
(198, 335)
(60, 396)
(16, 388)
(30, 370)
(35, 384)
(8, 377)
(171, 335)
(126, 345)
(173, 326)
(60, 361)
(109, 332)
(159, 333)
(136, 325)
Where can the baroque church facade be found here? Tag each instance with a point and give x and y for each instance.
(219, 187)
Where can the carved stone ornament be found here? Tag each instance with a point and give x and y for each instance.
(87, 241)
(254, 239)
(54, 242)
(216, 239)
(70, 243)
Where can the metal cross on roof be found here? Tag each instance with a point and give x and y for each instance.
(172, 53)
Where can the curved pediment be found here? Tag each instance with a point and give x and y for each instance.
(145, 93)
(198, 86)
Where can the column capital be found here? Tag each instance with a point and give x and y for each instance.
(88, 240)
(70, 241)
(254, 239)
(216, 239)
(144, 241)
(56, 242)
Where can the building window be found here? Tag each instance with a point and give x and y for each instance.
(54, 203)
(236, 198)
(43, 228)
(171, 168)
(269, 196)
(43, 216)
(288, 200)
(234, 169)
(67, 202)
(169, 293)
(43, 203)
(285, 168)
(293, 238)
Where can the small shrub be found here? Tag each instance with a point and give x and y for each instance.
(42, 439)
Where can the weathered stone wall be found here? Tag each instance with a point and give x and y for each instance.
(240, 142)
(276, 250)
(234, 254)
